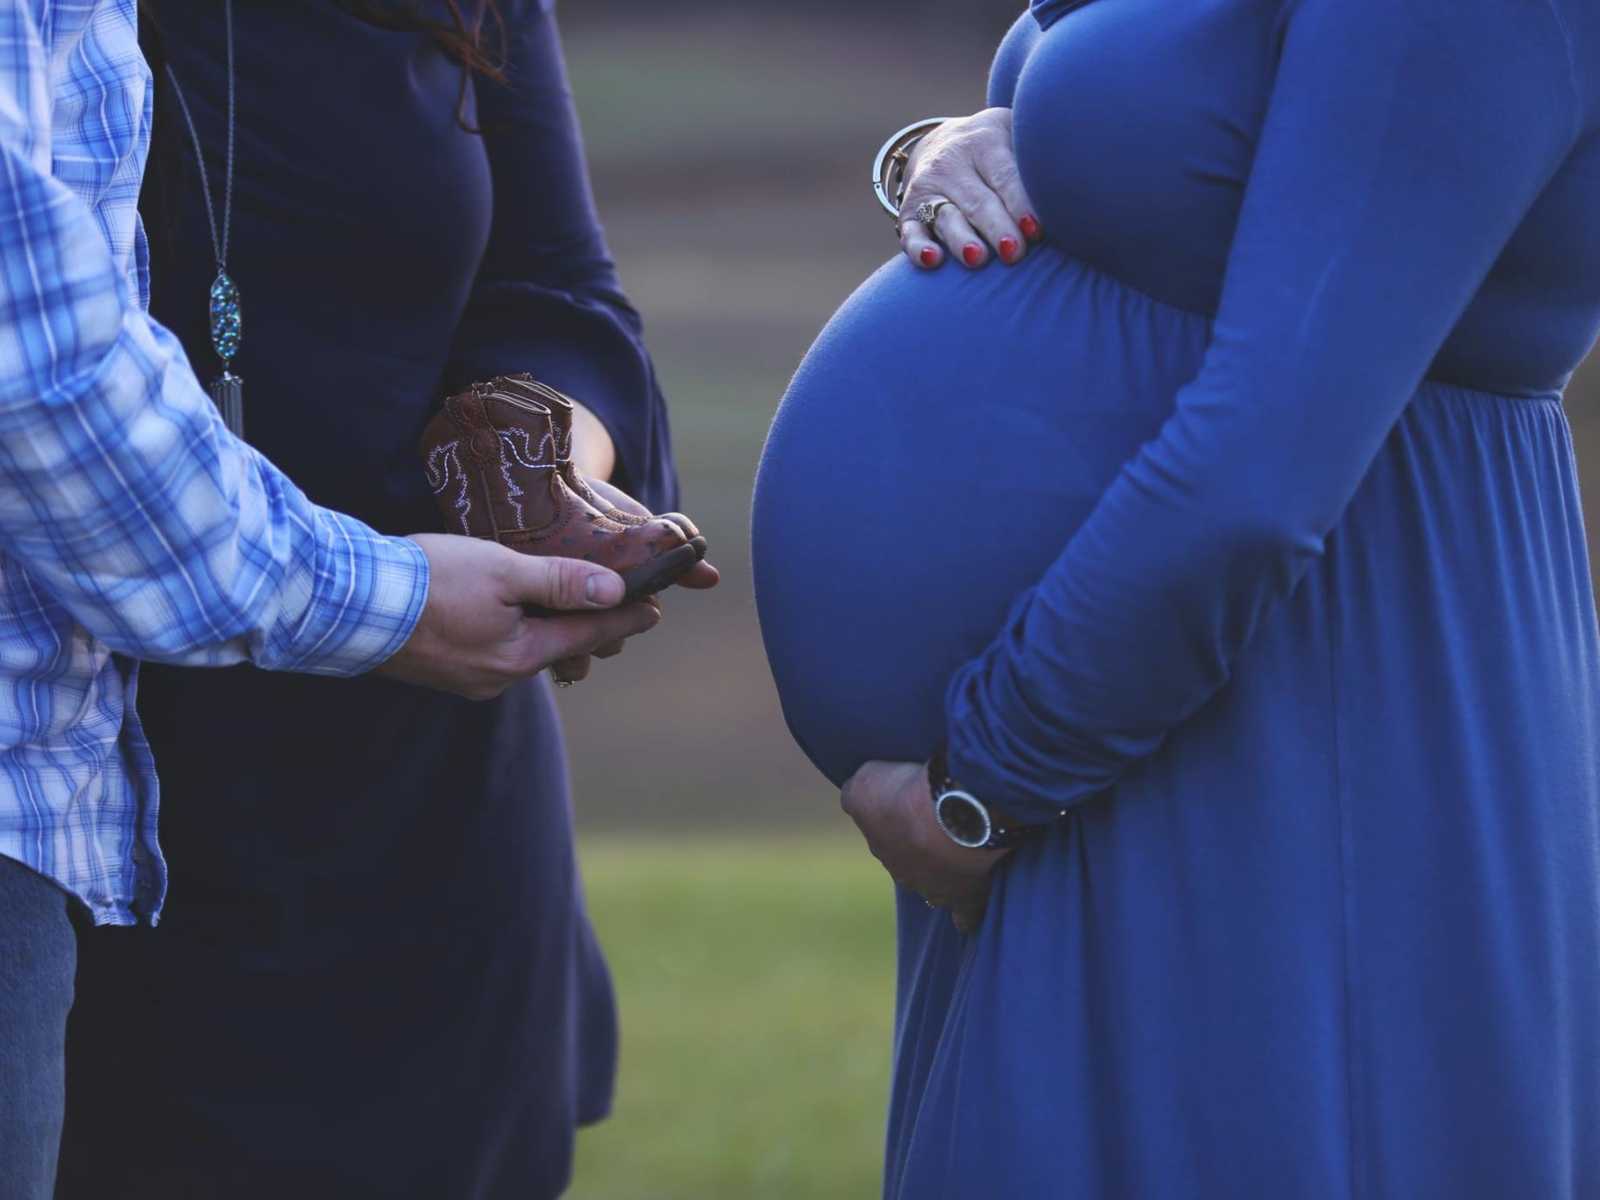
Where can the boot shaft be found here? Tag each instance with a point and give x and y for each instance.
(526, 388)
(491, 461)
(498, 457)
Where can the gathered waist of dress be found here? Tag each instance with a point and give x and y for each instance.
(1438, 380)
(1444, 391)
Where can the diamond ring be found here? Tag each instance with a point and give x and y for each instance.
(928, 211)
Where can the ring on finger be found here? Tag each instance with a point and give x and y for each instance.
(928, 211)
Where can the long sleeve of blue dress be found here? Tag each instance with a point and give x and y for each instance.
(547, 299)
(1372, 216)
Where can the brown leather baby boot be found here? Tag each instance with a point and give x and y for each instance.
(490, 458)
(560, 406)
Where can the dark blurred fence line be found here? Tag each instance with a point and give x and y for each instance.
(925, 12)
(955, 15)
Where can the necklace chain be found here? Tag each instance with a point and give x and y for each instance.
(227, 390)
(219, 241)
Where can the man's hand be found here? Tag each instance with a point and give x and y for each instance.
(476, 640)
(970, 162)
(892, 805)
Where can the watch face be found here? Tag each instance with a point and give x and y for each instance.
(964, 819)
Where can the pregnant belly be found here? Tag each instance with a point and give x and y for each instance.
(939, 445)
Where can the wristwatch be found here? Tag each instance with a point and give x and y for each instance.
(968, 821)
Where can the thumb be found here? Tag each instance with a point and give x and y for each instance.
(562, 583)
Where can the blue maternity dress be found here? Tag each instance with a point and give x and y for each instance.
(375, 978)
(1235, 533)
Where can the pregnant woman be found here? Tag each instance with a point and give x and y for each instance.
(1230, 544)
(376, 978)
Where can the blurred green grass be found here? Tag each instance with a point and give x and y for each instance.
(756, 974)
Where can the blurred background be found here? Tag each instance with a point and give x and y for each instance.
(749, 931)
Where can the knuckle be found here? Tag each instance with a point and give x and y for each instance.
(566, 582)
(532, 655)
(1007, 180)
(994, 217)
(567, 644)
(1001, 170)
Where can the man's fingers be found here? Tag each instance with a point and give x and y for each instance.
(561, 583)
(570, 670)
(918, 244)
(609, 650)
(551, 639)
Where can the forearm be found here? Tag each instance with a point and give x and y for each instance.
(123, 495)
(1335, 306)
(592, 447)
(168, 539)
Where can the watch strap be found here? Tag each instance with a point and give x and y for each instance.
(1003, 833)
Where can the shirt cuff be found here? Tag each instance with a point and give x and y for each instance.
(367, 595)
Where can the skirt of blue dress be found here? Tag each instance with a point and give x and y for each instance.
(1339, 936)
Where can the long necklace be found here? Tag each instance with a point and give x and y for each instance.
(227, 325)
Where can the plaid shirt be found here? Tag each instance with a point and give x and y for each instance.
(131, 523)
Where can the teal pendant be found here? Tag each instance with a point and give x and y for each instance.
(227, 326)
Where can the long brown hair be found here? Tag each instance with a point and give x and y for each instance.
(462, 37)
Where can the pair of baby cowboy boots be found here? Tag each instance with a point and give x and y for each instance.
(498, 457)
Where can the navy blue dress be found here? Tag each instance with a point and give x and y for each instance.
(375, 978)
(1235, 535)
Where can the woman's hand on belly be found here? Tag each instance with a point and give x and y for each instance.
(969, 161)
(892, 805)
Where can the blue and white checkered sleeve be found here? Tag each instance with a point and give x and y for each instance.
(120, 489)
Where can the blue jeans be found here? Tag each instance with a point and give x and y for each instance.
(38, 958)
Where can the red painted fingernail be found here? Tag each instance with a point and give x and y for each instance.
(972, 254)
(1030, 227)
(1009, 249)
(929, 256)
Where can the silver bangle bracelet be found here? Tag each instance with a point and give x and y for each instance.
(889, 167)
